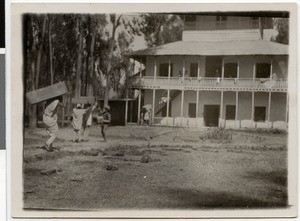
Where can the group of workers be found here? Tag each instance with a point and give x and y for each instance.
(81, 121)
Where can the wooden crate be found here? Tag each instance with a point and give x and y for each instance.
(83, 100)
(47, 93)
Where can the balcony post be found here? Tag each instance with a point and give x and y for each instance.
(183, 68)
(221, 107)
(238, 68)
(252, 107)
(155, 70)
(197, 105)
(153, 107)
(269, 106)
(287, 108)
(271, 68)
(197, 92)
(222, 67)
(236, 105)
(131, 112)
(181, 107)
(126, 107)
(140, 96)
(254, 67)
(169, 69)
(198, 71)
(168, 104)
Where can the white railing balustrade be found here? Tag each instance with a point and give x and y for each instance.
(207, 83)
(219, 25)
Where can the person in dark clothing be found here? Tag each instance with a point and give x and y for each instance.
(104, 123)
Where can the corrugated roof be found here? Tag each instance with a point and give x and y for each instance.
(243, 47)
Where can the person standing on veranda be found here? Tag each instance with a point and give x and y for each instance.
(50, 121)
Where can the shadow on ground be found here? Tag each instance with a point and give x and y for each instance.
(211, 199)
(276, 177)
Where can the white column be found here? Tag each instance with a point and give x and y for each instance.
(181, 107)
(221, 107)
(197, 92)
(198, 73)
(271, 68)
(168, 91)
(169, 69)
(269, 106)
(287, 108)
(252, 107)
(139, 106)
(254, 67)
(131, 108)
(183, 68)
(153, 106)
(168, 104)
(155, 71)
(238, 68)
(197, 105)
(236, 105)
(140, 95)
(126, 107)
(222, 67)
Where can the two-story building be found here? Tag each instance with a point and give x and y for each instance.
(223, 73)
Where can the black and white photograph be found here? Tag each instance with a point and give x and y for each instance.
(180, 110)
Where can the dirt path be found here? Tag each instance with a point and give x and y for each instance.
(156, 168)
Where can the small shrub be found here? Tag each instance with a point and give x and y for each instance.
(217, 134)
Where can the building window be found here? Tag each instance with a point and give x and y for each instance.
(230, 70)
(164, 110)
(213, 66)
(230, 112)
(194, 70)
(190, 18)
(260, 114)
(192, 110)
(164, 69)
(221, 18)
(263, 70)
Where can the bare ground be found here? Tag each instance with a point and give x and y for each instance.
(156, 167)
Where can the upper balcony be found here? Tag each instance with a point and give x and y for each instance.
(214, 84)
(221, 25)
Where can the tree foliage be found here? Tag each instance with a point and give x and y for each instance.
(282, 26)
(76, 48)
(157, 29)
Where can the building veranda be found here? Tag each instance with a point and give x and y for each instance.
(223, 73)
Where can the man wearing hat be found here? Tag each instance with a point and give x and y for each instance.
(105, 122)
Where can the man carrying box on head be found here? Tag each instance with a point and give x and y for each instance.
(50, 121)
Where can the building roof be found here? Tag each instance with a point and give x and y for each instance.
(214, 48)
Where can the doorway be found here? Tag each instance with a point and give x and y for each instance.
(211, 115)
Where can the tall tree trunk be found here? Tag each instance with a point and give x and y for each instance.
(79, 60)
(91, 74)
(50, 52)
(32, 108)
(115, 23)
(35, 83)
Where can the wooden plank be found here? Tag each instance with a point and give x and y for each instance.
(83, 100)
(46, 93)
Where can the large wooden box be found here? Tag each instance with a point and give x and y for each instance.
(47, 93)
(83, 100)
